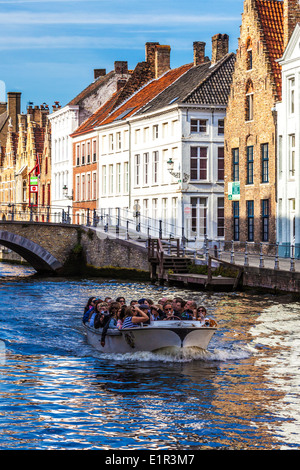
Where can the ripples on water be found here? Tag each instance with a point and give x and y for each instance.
(56, 392)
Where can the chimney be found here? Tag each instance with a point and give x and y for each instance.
(219, 47)
(291, 16)
(199, 52)
(162, 60)
(150, 48)
(14, 107)
(121, 67)
(99, 73)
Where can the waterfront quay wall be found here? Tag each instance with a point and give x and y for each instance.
(271, 279)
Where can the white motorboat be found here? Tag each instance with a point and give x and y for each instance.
(153, 337)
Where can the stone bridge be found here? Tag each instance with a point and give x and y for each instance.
(70, 249)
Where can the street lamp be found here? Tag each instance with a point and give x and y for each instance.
(185, 178)
(65, 192)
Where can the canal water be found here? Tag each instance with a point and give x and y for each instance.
(57, 393)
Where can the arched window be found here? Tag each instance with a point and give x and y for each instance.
(249, 54)
(249, 100)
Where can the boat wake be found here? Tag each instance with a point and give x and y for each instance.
(175, 354)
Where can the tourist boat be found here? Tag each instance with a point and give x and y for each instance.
(156, 336)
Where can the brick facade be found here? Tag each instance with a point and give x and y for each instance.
(250, 129)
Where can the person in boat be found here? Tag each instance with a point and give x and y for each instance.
(169, 313)
(88, 309)
(179, 306)
(134, 316)
(121, 300)
(191, 305)
(110, 322)
(200, 313)
(101, 315)
(121, 317)
(157, 312)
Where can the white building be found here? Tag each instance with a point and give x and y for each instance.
(64, 121)
(288, 158)
(176, 120)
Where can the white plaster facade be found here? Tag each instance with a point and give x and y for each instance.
(288, 157)
(133, 170)
(63, 122)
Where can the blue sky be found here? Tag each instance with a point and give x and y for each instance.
(49, 48)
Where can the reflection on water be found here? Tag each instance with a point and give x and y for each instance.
(56, 392)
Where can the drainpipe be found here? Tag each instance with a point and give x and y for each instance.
(129, 166)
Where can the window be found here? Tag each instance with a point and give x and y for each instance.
(249, 101)
(265, 219)
(110, 179)
(137, 170)
(94, 185)
(221, 127)
(146, 168)
(220, 218)
(199, 125)
(165, 130)
(291, 95)
(119, 141)
(126, 177)
(77, 155)
(220, 163)
(198, 163)
(250, 165)
(250, 220)
(88, 186)
(104, 184)
(249, 54)
(94, 150)
(265, 163)
(111, 142)
(235, 165)
(199, 215)
(77, 187)
(155, 167)
(146, 134)
(118, 178)
(88, 157)
(292, 151)
(155, 132)
(82, 154)
(236, 220)
(82, 187)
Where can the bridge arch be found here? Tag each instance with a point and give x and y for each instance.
(39, 258)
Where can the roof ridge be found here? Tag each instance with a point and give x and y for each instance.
(213, 69)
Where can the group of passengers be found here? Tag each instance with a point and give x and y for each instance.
(108, 313)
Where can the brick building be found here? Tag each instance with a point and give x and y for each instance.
(250, 125)
(26, 155)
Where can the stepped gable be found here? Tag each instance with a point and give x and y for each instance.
(39, 139)
(270, 14)
(146, 94)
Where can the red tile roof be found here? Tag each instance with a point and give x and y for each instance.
(107, 114)
(271, 17)
(146, 94)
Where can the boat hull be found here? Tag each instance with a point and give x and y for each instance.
(153, 337)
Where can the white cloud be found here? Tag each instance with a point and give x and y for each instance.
(26, 18)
